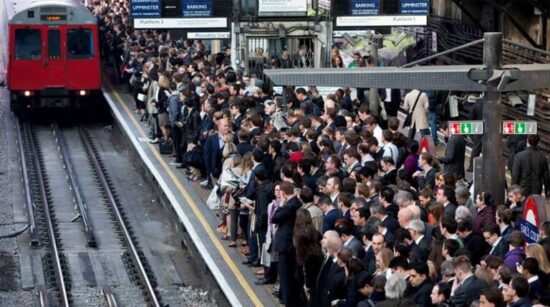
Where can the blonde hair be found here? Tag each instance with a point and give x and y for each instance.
(386, 255)
(537, 251)
(164, 81)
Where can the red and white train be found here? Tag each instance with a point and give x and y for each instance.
(50, 53)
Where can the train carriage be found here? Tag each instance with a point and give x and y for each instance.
(52, 53)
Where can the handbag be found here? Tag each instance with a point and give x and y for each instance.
(408, 119)
(194, 158)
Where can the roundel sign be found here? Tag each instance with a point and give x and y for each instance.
(426, 145)
(533, 215)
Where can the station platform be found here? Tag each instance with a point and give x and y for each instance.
(189, 202)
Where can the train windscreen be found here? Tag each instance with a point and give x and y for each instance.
(28, 44)
(80, 44)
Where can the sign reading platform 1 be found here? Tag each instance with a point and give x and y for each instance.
(533, 215)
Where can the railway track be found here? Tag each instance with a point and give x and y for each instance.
(75, 215)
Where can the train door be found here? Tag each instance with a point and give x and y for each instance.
(26, 64)
(54, 59)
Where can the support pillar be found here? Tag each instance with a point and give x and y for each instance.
(374, 99)
(494, 180)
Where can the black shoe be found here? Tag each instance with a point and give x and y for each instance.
(247, 262)
(262, 282)
(254, 264)
(275, 293)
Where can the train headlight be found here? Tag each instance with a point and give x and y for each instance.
(82, 93)
(27, 93)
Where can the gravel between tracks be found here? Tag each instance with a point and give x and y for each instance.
(10, 284)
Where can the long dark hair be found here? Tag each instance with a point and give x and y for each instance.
(306, 238)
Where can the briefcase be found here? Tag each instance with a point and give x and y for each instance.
(166, 147)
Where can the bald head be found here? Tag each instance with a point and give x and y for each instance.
(415, 211)
(404, 216)
(331, 242)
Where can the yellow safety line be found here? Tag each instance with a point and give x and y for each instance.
(226, 257)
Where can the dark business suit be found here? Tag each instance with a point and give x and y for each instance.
(285, 217)
(420, 250)
(468, 291)
(450, 210)
(244, 147)
(322, 281)
(501, 249)
(392, 210)
(390, 224)
(356, 248)
(427, 180)
(454, 155)
(420, 295)
(330, 219)
(335, 287)
(477, 246)
(213, 155)
(369, 261)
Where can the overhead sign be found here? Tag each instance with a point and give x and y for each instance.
(466, 127)
(208, 35)
(179, 23)
(381, 21)
(533, 215)
(197, 8)
(415, 7)
(519, 127)
(145, 8)
(364, 7)
(278, 6)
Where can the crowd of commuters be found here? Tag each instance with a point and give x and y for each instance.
(332, 204)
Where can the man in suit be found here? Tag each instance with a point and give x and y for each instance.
(426, 177)
(331, 244)
(454, 152)
(244, 146)
(419, 286)
(491, 234)
(284, 217)
(420, 246)
(350, 241)
(369, 259)
(333, 189)
(531, 169)
(213, 153)
(389, 222)
(330, 212)
(467, 287)
(446, 196)
(386, 199)
(473, 241)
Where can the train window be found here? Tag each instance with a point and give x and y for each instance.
(28, 44)
(80, 44)
(54, 44)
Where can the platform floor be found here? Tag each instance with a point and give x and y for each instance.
(188, 201)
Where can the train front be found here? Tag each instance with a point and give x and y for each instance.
(54, 57)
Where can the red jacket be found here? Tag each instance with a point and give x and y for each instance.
(484, 216)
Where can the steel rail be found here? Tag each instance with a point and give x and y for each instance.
(133, 252)
(48, 220)
(28, 190)
(109, 296)
(75, 187)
